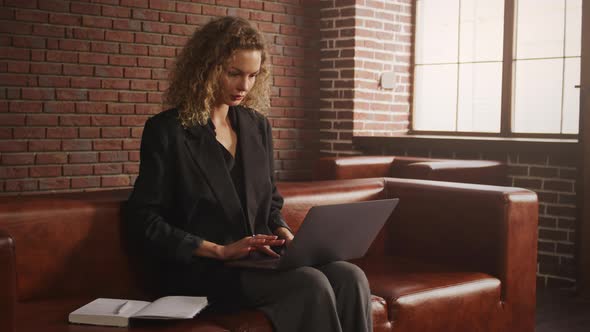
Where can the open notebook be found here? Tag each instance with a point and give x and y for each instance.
(117, 312)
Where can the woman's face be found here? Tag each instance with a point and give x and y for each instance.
(238, 76)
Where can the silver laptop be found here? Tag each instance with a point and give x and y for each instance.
(329, 233)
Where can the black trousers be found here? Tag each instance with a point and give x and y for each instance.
(330, 298)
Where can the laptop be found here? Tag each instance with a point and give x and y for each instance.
(328, 233)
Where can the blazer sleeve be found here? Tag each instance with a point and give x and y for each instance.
(276, 219)
(151, 200)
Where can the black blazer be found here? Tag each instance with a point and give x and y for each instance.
(184, 193)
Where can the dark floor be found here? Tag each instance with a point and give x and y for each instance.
(560, 310)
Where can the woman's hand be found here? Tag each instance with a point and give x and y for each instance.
(243, 247)
(285, 234)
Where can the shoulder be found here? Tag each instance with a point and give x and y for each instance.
(165, 119)
(257, 118)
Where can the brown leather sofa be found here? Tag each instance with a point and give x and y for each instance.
(453, 257)
(356, 167)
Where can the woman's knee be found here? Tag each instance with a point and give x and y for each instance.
(342, 272)
(312, 280)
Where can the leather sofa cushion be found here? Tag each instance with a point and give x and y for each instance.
(427, 297)
(52, 316)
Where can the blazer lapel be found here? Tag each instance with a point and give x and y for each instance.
(204, 151)
(254, 161)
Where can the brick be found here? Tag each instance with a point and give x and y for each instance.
(73, 170)
(103, 71)
(144, 14)
(121, 109)
(46, 68)
(106, 120)
(127, 25)
(117, 84)
(119, 36)
(136, 132)
(21, 185)
(134, 49)
(89, 34)
(13, 172)
(148, 109)
(174, 40)
(251, 4)
(85, 82)
(42, 120)
(184, 30)
(54, 184)
(137, 73)
(115, 132)
(144, 85)
(188, 8)
(85, 182)
(552, 235)
(66, 132)
(85, 8)
(44, 171)
(25, 107)
(131, 169)
(115, 181)
(558, 185)
(44, 145)
(122, 60)
(6, 133)
(74, 120)
(18, 159)
(93, 58)
(14, 53)
(71, 94)
(104, 47)
(97, 22)
(562, 211)
(51, 158)
(54, 81)
(155, 27)
(107, 169)
(65, 19)
(115, 11)
(146, 38)
(78, 70)
(131, 144)
(77, 145)
(135, 3)
(83, 157)
(29, 42)
(104, 144)
(28, 133)
(214, 11)
(89, 132)
(91, 108)
(61, 56)
(13, 146)
(74, 45)
(136, 97)
(162, 51)
(54, 5)
(150, 62)
(113, 156)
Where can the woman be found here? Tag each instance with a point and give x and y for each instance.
(205, 192)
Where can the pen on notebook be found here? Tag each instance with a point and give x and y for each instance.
(122, 308)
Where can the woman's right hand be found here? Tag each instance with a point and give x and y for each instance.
(243, 247)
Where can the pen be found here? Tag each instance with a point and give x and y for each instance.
(122, 308)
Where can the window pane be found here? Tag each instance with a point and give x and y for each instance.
(480, 94)
(481, 37)
(539, 28)
(437, 29)
(435, 97)
(571, 96)
(573, 27)
(537, 96)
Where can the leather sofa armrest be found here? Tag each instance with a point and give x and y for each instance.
(7, 283)
(356, 167)
(467, 171)
(472, 227)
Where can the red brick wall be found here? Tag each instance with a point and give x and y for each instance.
(78, 80)
(361, 40)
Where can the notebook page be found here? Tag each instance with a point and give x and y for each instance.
(173, 307)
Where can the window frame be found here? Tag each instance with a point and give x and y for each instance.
(507, 85)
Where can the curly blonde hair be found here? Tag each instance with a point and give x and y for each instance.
(194, 81)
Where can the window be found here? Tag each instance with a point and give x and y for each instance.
(500, 67)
